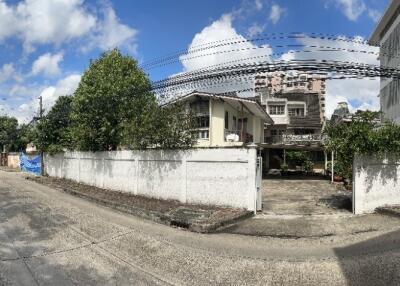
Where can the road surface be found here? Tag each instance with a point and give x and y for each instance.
(50, 238)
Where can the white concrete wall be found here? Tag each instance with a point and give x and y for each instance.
(376, 182)
(222, 177)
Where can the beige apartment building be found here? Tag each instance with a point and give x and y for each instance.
(226, 120)
(296, 103)
(387, 36)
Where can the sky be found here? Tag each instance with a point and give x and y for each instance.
(46, 45)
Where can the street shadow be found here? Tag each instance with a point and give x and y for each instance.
(375, 261)
(30, 245)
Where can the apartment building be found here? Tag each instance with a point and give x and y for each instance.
(387, 36)
(296, 103)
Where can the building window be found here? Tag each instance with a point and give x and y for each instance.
(296, 112)
(226, 120)
(202, 121)
(234, 123)
(276, 109)
(201, 134)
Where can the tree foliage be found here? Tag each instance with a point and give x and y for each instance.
(364, 135)
(108, 91)
(300, 158)
(54, 130)
(113, 107)
(8, 131)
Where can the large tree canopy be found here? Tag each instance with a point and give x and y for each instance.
(114, 106)
(111, 90)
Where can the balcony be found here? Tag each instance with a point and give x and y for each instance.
(288, 139)
(238, 136)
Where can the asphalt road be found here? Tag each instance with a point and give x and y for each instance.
(50, 238)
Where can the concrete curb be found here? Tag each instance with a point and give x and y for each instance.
(393, 211)
(200, 226)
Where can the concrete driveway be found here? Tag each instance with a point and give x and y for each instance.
(303, 196)
(50, 238)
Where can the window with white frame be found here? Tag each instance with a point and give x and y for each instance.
(276, 109)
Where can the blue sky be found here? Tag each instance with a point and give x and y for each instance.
(47, 44)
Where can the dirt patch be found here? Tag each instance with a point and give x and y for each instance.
(197, 218)
(9, 169)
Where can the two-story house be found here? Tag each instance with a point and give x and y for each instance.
(226, 120)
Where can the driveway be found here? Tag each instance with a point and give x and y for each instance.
(283, 196)
(50, 238)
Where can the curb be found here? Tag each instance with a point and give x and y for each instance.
(389, 211)
(162, 218)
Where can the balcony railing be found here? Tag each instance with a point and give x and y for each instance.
(238, 136)
(288, 139)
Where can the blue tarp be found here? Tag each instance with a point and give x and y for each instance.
(30, 165)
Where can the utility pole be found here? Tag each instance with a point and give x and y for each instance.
(41, 147)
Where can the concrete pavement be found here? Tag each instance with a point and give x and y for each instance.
(50, 238)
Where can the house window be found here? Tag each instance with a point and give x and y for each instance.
(234, 123)
(226, 120)
(202, 121)
(276, 109)
(201, 134)
(296, 112)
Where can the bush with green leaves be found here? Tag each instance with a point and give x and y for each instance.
(300, 158)
(364, 135)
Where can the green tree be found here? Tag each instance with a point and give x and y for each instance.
(114, 106)
(166, 127)
(111, 91)
(364, 135)
(26, 133)
(8, 132)
(54, 130)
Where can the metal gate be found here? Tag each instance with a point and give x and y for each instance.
(258, 183)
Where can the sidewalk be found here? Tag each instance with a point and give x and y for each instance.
(196, 218)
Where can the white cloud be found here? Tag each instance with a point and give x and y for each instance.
(245, 52)
(110, 33)
(360, 93)
(52, 21)
(40, 22)
(7, 72)
(8, 21)
(255, 30)
(221, 29)
(375, 15)
(352, 9)
(276, 13)
(25, 112)
(47, 64)
(259, 5)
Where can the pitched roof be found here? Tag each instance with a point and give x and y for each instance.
(249, 102)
